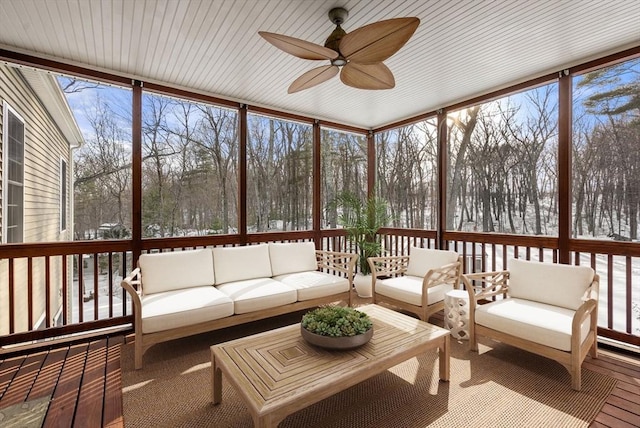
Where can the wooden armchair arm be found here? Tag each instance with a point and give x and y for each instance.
(447, 274)
(483, 285)
(131, 283)
(337, 261)
(388, 266)
(587, 309)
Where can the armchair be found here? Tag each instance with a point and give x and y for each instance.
(548, 309)
(416, 283)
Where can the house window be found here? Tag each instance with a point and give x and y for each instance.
(63, 195)
(13, 177)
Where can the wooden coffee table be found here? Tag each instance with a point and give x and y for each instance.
(277, 373)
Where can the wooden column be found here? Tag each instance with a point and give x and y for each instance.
(564, 165)
(317, 185)
(136, 170)
(442, 179)
(371, 164)
(242, 174)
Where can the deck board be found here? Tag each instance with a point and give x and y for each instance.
(63, 403)
(8, 370)
(48, 377)
(113, 411)
(91, 396)
(18, 390)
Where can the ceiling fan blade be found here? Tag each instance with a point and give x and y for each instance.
(378, 41)
(313, 77)
(297, 47)
(367, 76)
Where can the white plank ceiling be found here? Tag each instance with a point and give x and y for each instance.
(462, 48)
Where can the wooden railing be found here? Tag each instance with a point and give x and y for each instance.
(87, 275)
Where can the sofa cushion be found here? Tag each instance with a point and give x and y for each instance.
(536, 322)
(292, 257)
(409, 289)
(314, 284)
(240, 263)
(422, 260)
(176, 270)
(257, 294)
(554, 284)
(179, 308)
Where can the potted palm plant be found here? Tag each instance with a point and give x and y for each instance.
(361, 219)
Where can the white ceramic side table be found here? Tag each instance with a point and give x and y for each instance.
(456, 313)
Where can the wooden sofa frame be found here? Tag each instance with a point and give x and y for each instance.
(488, 285)
(327, 260)
(388, 266)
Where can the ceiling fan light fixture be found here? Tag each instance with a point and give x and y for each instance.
(340, 61)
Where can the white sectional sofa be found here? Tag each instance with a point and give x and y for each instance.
(177, 294)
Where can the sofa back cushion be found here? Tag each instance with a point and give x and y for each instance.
(176, 270)
(292, 257)
(240, 263)
(422, 260)
(550, 283)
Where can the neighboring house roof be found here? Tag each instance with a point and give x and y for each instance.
(48, 90)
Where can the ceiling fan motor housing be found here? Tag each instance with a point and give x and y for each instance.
(338, 15)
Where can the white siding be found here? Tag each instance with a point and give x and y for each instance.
(45, 145)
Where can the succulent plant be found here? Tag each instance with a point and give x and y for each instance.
(336, 321)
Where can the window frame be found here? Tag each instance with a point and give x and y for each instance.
(64, 191)
(7, 110)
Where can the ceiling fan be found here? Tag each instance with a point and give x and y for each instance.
(360, 53)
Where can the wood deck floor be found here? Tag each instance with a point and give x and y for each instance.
(83, 382)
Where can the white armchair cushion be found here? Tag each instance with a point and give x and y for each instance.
(314, 284)
(257, 294)
(292, 257)
(240, 263)
(554, 284)
(409, 289)
(422, 260)
(176, 270)
(180, 308)
(536, 322)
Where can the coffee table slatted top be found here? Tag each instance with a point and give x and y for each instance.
(278, 371)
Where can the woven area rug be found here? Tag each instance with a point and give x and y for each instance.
(500, 386)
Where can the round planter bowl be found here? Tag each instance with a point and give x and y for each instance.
(340, 343)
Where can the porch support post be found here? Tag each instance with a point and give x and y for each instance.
(317, 185)
(564, 165)
(242, 175)
(136, 170)
(442, 180)
(371, 164)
